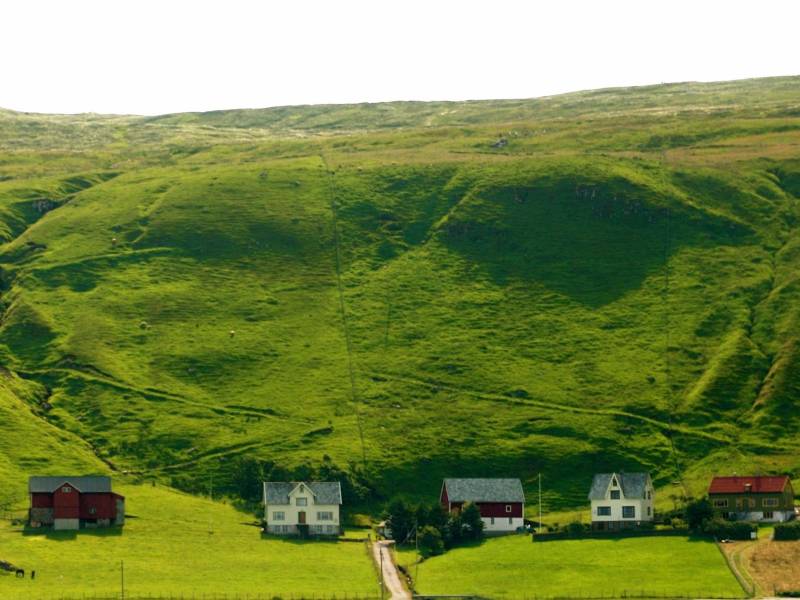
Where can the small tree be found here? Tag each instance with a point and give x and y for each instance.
(471, 522)
(400, 519)
(436, 517)
(453, 531)
(698, 512)
(430, 541)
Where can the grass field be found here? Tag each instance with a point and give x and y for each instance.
(178, 544)
(513, 567)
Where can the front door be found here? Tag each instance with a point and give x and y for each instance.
(301, 518)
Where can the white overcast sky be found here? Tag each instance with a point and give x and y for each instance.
(146, 57)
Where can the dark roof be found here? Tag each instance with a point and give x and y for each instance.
(85, 485)
(325, 492)
(484, 490)
(633, 485)
(759, 484)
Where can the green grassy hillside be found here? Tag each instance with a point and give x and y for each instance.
(337, 291)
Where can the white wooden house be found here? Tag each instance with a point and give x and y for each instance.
(621, 500)
(299, 507)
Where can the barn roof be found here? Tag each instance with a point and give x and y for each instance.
(760, 484)
(633, 485)
(86, 485)
(325, 492)
(484, 490)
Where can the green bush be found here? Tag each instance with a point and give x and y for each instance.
(576, 528)
(678, 523)
(787, 531)
(430, 542)
(731, 530)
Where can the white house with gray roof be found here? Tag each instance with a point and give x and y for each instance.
(501, 502)
(621, 500)
(297, 507)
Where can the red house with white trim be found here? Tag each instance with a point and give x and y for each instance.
(501, 502)
(74, 502)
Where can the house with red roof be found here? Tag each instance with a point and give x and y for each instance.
(752, 498)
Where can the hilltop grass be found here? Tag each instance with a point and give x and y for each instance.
(175, 544)
(513, 567)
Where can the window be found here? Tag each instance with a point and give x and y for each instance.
(614, 482)
(301, 501)
(66, 489)
(649, 495)
(491, 520)
(628, 512)
(648, 511)
(325, 516)
(92, 511)
(751, 502)
(315, 528)
(279, 516)
(769, 502)
(331, 528)
(615, 494)
(767, 514)
(510, 520)
(603, 511)
(720, 503)
(508, 508)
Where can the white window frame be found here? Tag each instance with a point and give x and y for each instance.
(719, 503)
(325, 515)
(632, 509)
(768, 514)
(66, 489)
(508, 508)
(278, 515)
(770, 502)
(301, 501)
(604, 514)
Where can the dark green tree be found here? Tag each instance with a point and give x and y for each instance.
(430, 541)
(248, 475)
(400, 519)
(471, 522)
(698, 512)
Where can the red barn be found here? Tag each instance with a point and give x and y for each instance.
(501, 501)
(74, 502)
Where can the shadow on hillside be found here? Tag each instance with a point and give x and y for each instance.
(592, 244)
(66, 536)
(298, 541)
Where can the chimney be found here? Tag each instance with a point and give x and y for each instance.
(748, 487)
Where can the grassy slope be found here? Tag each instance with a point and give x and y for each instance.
(513, 567)
(178, 544)
(614, 291)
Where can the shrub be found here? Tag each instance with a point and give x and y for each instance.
(430, 542)
(576, 528)
(787, 531)
(471, 522)
(732, 530)
(698, 512)
(678, 523)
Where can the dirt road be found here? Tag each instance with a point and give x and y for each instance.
(391, 577)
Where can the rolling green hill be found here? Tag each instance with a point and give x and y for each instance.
(398, 292)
